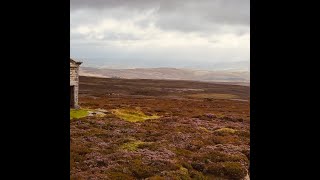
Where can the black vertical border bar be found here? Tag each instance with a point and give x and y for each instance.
(67, 90)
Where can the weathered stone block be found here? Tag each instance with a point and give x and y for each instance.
(74, 83)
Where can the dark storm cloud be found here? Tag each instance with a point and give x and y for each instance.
(182, 15)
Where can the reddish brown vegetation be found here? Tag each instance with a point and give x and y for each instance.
(194, 138)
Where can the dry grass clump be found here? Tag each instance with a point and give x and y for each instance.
(133, 115)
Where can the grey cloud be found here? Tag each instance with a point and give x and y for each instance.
(102, 4)
(76, 36)
(121, 36)
(207, 18)
(181, 15)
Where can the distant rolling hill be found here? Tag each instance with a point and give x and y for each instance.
(239, 77)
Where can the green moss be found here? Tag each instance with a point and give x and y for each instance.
(204, 129)
(225, 131)
(184, 170)
(133, 115)
(149, 145)
(78, 113)
(131, 146)
(81, 113)
(219, 115)
(186, 165)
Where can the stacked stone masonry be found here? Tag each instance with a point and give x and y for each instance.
(74, 83)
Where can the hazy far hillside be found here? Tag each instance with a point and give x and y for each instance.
(242, 77)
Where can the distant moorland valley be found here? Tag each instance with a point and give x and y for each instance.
(228, 76)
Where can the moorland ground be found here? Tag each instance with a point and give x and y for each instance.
(160, 129)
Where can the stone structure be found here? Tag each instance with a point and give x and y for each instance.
(74, 83)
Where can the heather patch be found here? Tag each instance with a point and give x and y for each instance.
(214, 96)
(195, 138)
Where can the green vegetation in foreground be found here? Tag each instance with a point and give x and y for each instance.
(184, 170)
(133, 115)
(204, 129)
(214, 96)
(132, 146)
(78, 113)
(226, 130)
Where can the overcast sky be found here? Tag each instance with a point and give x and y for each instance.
(160, 33)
